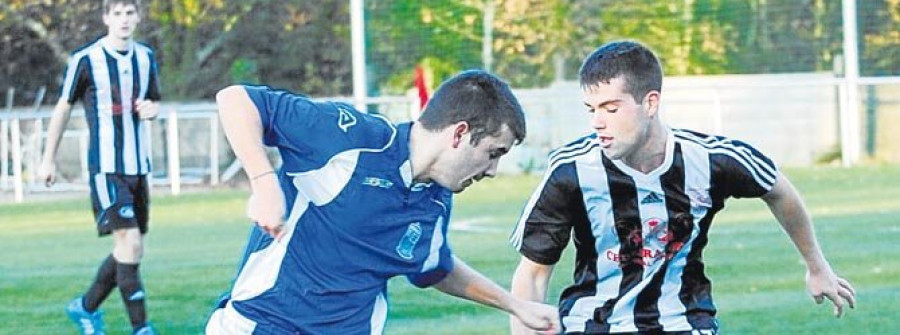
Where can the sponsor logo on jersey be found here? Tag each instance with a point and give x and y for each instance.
(345, 119)
(651, 198)
(408, 241)
(126, 212)
(377, 182)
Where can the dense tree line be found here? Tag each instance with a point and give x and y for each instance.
(203, 45)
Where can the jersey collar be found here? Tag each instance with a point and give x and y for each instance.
(113, 52)
(406, 172)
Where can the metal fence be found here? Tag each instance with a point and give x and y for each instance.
(794, 118)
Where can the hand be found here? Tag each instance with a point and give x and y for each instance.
(147, 109)
(826, 284)
(539, 317)
(47, 172)
(266, 205)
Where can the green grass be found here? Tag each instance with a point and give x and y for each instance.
(50, 253)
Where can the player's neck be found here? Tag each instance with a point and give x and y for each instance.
(118, 43)
(652, 153)
(420, 157)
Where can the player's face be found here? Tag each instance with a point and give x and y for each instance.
(466, 164)
(622, 125)
(121, 20)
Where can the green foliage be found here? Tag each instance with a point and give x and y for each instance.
(196, 240)
(203, 45)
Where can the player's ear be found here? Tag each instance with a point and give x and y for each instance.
(459, 130)
(651, 103)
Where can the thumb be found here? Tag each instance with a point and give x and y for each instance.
(819, 299)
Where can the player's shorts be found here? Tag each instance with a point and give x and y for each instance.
(120, 202)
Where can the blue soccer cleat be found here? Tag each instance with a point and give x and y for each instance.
(145, 330)
(88, 323)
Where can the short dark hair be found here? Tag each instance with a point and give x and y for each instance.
(637, 65)
(108, 4)
(479, 98)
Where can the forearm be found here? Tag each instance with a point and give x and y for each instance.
(787, 206)
(243, 128)
(466, 283)
(57, 126)
(529, 282)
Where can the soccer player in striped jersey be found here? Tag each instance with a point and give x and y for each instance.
(638, 198)
(359, 200)
(116, 80)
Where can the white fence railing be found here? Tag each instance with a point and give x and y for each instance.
(794, 118)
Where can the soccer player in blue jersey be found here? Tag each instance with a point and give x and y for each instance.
(359, 200)
(637, 199)
(116, 80)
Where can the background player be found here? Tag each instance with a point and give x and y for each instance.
(116, 79)
(639, 198)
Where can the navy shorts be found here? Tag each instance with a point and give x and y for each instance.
(120, 201)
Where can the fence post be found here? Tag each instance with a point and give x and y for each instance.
(16, 146)
(4, 140)
(174, 162)
(214, 149)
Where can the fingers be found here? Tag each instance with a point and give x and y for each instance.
(846, 291)
(838, 303)
(49, 180)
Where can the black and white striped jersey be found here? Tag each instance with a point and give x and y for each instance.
(110, 83)
(639, 237)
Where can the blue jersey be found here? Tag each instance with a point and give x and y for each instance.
(355, 219)
(110, 83)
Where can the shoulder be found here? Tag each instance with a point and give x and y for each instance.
(362, 129)
(82, 51)
(143, 47)
(580, 148)
(712, 143)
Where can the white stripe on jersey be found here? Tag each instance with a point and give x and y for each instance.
(594, 184)
(144, 72)
(379, 315)
(317, 187)
(437, 240)
(696, 179)
(130, 158)
(105, 125)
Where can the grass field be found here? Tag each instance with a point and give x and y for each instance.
(50, 252)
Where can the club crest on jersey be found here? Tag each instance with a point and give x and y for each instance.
(409, 240)
(345, 119)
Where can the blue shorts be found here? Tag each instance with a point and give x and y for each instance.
(120, 202)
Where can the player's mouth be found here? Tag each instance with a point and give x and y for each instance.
(605, 141)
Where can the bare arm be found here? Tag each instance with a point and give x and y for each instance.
(530, 283)
(821, 281)
(243, 128)
(464, 282)
(58, 121)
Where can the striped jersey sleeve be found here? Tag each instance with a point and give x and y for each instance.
(76, 78)
(545, 227)
(738, 168)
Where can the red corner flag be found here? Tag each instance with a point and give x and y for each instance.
(420, 85)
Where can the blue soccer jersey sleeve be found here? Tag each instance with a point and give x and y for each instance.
(435, 270)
